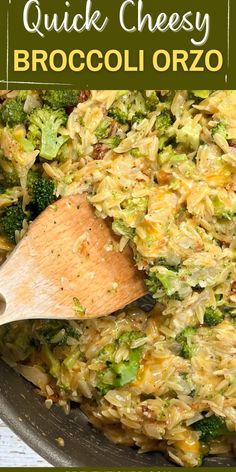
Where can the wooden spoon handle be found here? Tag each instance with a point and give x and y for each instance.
(23, 292)
(11, 278)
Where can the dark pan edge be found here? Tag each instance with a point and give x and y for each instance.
(31, 438)
(24, 412)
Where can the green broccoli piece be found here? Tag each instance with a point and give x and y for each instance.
(165, 280)
(78, 307)
(102, 131)
(127, 337)
(186, 351)
(105, 381)
(53, 362)
(12, 220)
(23, 342)
(161, 261)
(113, 141)
(72, 358)
(166, 96)
(211, 428)
(107, 353)
(135, 205)
(152, 101)
(119, 374)
(10, 178)
(23, 94)
(164, 121)
(220, 128)
(121, 229)
(177, 158)
(129, 108)
(119, 115)
(186, 341)
(135, 152)
(213, 317)
(61, 98)
(153, 283)
(221, 211)
(44, 131)
(32, 176)
(41, 192)
(126, 371)
(12, 112)
(201, 93)
(46, 332)
(229, 312)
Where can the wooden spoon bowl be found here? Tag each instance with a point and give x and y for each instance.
(68, 266)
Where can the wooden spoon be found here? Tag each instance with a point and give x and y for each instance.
(68, 266)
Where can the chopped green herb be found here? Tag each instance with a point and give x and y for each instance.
(79, 309)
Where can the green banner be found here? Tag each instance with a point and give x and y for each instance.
(117, 469)
(118, 44)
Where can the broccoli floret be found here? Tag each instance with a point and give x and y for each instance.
(104, 134)
(164, 121)
(10, 178)
(44, 131)
(129, 108)
(186, 341)
(12, 220)
(52, 361)
(61, 98)
(102, 131)
(166, 279)
(23, 94)
(166, 96)
(41, 192)
(121, 229)
(119, 115)
(113, 141)
(213, 317)
(153, 283)
(127, 337)
(135, 205)
(229, 312)
(119, 374)
(126, 371)
(47, 331)
(32, 176)
(186, 351)
(152, 101)
(105, 381)
(220, 128)
(211, 428)
(12, 112)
